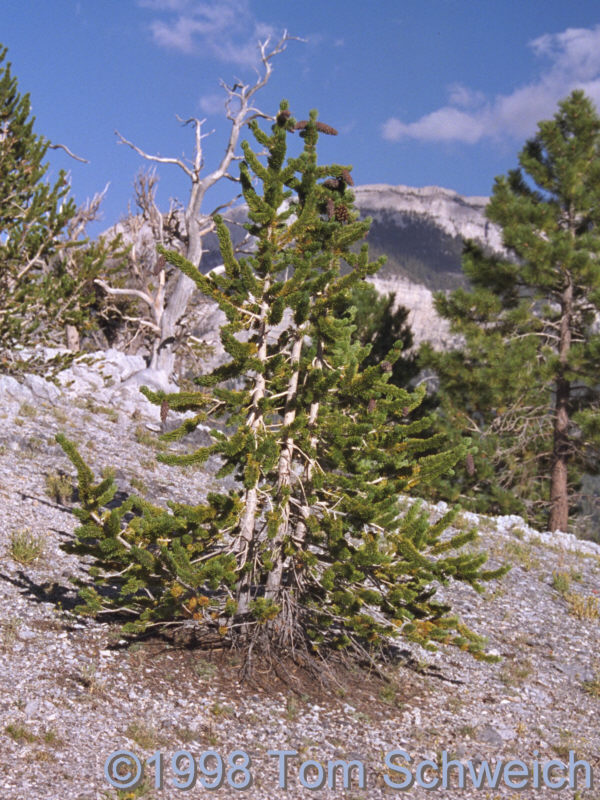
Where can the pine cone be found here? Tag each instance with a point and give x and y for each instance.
(283, 116)
(347, 177)
(372, 405)
(341, 213)
(323, 128)
(330, 208)
(160, 264)
(332, 183)
(320, 126)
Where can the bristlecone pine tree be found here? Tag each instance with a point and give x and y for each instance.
(46, 275)
(32, 213)
(526, 382)
(309, 551)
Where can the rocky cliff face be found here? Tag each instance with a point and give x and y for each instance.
(421, 232)
(457, 216)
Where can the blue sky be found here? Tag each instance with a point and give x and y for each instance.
(422, 92)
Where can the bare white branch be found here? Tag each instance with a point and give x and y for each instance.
(186, 229)
(68, 152)
(159, 159)
(146, 298)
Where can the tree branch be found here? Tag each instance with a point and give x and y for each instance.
(68, 152)
(159, 159)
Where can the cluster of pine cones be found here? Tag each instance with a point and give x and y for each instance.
(337, 211)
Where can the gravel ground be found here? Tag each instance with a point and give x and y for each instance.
(73, 691)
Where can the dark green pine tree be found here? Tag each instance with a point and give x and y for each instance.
(310, 550)
(525, 384)
(33, 213)
(380, 326)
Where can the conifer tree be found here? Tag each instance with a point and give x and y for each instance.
(32, 213)
(379, 325)
(47, 267)
(526, 381)
(309, 551)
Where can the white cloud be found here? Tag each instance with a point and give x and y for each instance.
(470, 116)
(212, 103)
(442, 125)
(459, 95)
(222, 29)
(164, 5)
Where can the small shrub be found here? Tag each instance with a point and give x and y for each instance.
(59, 487)
(389, 695)
(292, 710)
(561, 582)
(593, 686)
(219, 710)
(143, 436)
(204, 669)
(582, 607)
(109, 473)
(60, 416)
(87, 677)
(139, 485)
(186, 735)
(522, 553)
(25, 547)
(144, 735)
(92, 406)
(52, 738)
(9, 631)
(27, 410)
(20, 733)
(515, 672)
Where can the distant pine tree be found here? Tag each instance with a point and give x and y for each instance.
(309, 551)
(380, 326)
(525, 384)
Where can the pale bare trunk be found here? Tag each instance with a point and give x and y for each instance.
(274, 577)
(254, 421)
(72, 334)
(300, 532)
(196, 226)
(240, 110)
(163, 357)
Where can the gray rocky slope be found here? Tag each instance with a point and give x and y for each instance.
(72, 690)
